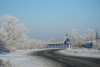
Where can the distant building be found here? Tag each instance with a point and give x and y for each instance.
(59, 43)
(88, 45)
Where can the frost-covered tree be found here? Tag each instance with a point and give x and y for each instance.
(90, 35)
(34, 43)
(42, 44)
(39, 43)
(13, 33)
(3, 46)
(76, 40)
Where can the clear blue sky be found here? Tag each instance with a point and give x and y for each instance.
(54, 18)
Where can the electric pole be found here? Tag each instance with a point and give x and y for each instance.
(96, 36)
(91, 37)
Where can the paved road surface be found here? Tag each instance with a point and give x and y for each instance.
(69, 61)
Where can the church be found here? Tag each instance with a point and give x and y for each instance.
(59, 42)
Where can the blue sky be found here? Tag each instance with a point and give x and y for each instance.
(54, 18)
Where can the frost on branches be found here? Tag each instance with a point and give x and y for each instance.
(38, 44)
(76, 40)
(13, 34)
(90, 35)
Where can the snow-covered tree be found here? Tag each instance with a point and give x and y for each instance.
(13, 33)
(39, 43)
(42, 44)
(90, 35)
(76, 40)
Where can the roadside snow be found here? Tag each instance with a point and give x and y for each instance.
(21, 59)
(84, 52)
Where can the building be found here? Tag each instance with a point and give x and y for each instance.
(88, 45)
(59, 43)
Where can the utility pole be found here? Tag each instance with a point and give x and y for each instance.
(91, 37)
(96, 36)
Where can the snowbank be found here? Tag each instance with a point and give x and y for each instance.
(81, 52)
(20, 58)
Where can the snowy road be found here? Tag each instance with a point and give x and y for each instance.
(67, 61)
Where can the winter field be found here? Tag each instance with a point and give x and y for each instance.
(21, 58)
(83, 52)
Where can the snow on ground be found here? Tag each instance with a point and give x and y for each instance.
(84, 52)
(20, 58)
